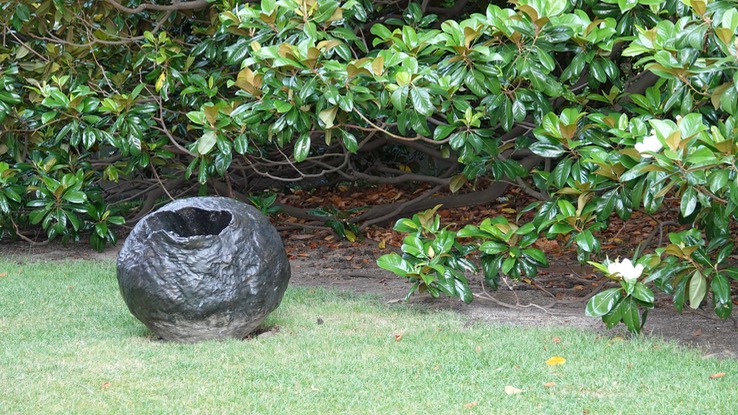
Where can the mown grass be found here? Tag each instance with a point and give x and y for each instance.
(68, 345)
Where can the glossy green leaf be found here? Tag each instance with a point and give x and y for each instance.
(630, 315)
(399, 97)
(537, 256)
(241, 144)
(443, 131)
(394, 263)
(613, 318)
(422, 101)
(493, 247)
(406, 225)
(412, 245)
(518, 111)
(547, 149)
(350, 142)
(561, 228)
(302, 147)
(721, 296)
(560, 173)
(74, 196)
(464, 292)
(444, 241)
(602, 302)
(697, 289)
(717, 180)
(688, 202)
(490, 269)
(507, 265)
(643, 293)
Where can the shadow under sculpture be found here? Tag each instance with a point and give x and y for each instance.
(203, 268)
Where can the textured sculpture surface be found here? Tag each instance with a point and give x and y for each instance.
(203, 268)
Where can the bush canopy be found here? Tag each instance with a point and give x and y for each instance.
(596, 109)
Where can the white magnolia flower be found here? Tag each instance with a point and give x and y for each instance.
(650, 144)
(625, 269)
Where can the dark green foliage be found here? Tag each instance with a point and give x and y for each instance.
(633, 103)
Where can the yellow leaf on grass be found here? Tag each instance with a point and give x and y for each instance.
(512, 390)
(549, 384)
(556, 361)
(471, 405)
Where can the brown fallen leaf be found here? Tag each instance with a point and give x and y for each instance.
(547, 245)
(302, 236)
(717, 375)
(549, 384)
(512, 390)
(3, 274)
(471, 405)
(556, 361)
(556, 340)
(106, 385)
(398, 337)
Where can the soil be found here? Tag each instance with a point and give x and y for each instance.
(557, 297)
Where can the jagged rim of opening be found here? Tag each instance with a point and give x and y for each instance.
(190, 222)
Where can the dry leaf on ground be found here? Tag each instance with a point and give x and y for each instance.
(512, 390)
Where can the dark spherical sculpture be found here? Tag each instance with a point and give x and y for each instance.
(203, 268)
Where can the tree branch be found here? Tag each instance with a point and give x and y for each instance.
(175, 6)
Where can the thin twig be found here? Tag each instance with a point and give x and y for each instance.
(25, 238)
(164, 188)
(486, 296)
(399, 137)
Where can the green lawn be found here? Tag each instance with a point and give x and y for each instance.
(68, 345)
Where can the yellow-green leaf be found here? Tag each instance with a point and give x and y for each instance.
(160, 81)
(697, 289)
(206, 142)
(556, 361)
(327, 116)
(457, 182)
